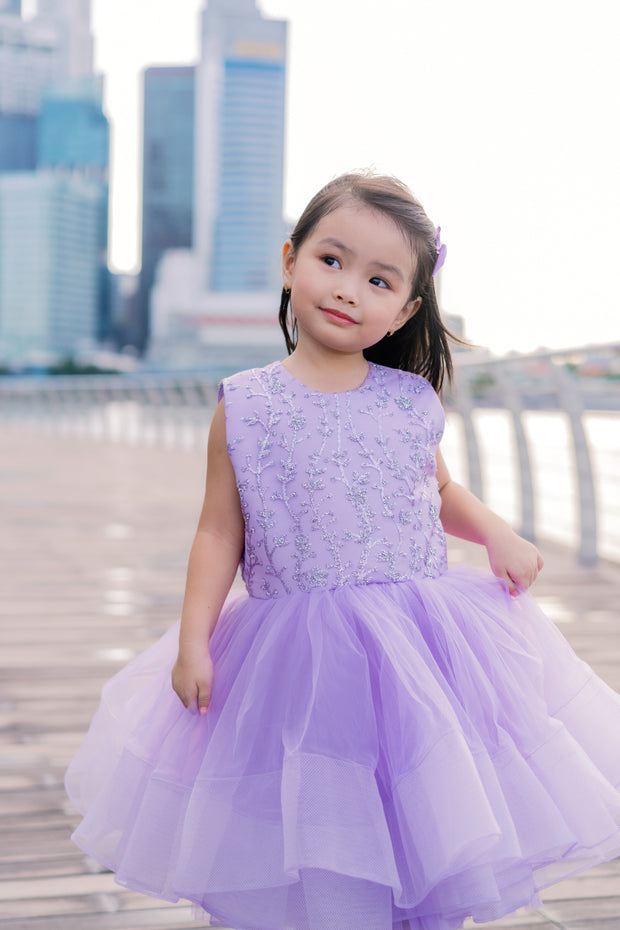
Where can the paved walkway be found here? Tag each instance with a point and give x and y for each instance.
(92, 553)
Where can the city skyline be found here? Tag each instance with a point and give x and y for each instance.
(500, 118)
(54, 156)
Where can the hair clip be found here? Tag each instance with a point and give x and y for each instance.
(441, 252)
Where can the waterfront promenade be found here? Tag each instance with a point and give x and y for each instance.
(93, 548)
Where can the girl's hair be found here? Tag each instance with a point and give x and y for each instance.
(421, 345)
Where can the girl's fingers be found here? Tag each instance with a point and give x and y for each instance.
(526, 577)
(512, 587)
(204, 698)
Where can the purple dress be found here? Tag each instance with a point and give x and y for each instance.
(390, 743)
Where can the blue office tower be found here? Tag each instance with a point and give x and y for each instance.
(167, 177)
(28, 61)
(216, 302)
(18, 142)
(241, 96)
(251, 133)
(49, 264)
(73, 131)
(73, 138)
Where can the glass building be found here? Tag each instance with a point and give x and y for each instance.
(251, 143)
(73, 138)
(73, 131)
(217, 299)
(167, 176)
(18, 142)
(54, 144)
(29, 61)
(71, 19)
(241, 97)
(49, 258)
(11, 7)
(34, 54)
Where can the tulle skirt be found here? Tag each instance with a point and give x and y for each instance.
(393, 756)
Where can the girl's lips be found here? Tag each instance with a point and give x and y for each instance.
(337, 315)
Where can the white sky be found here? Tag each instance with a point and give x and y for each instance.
(501, 116)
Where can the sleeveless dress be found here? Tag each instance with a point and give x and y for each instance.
(391, 744)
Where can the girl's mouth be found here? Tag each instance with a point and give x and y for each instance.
(337, 315)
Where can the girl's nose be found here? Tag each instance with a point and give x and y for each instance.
(345, 292)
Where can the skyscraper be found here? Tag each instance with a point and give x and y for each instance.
(240, 146)
(11, 7)
(72, 20)
(28, 62)
(221, 299)
(53, 181)
(34, 54)
(73, 130)
(48, 263)
(73, 138)
(167, 176)
(18, 142)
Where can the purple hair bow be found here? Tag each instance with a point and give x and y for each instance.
(441, 252)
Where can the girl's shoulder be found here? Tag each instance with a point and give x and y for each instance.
(259, 377)
(407, 382)
(413, 394)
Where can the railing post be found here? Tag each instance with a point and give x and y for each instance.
(570, 400)
(463, 404)
(514, 406)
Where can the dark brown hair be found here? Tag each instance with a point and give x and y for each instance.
(421, 345)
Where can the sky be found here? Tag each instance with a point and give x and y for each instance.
(502, 117)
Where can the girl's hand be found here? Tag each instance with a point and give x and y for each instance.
(513, 559)
(192, 679)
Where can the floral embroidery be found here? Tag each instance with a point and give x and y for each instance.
(335, 489)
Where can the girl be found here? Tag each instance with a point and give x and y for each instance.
(366, 738)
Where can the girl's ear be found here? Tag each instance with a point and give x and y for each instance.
(410, 309)
(288, 261)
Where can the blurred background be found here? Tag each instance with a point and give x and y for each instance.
(154, 154)
(153, 158)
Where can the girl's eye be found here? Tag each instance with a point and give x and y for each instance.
(379, 282)
(331, 261)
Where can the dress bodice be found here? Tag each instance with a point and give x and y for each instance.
(335, 488)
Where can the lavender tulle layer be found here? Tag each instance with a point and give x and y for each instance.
(393, 756)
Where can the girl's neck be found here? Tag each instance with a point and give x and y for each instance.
(327, 371)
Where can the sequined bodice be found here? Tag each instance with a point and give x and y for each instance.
(336, 488)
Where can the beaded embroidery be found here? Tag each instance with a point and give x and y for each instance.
(318, 474)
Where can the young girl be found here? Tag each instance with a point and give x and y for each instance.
(366, 739)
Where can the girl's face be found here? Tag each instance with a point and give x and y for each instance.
(351, 279)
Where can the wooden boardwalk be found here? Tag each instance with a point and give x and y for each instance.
(93, 547)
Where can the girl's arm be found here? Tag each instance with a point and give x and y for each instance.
(211, 570)
(462, 514)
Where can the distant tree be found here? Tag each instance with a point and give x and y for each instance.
(69, 366)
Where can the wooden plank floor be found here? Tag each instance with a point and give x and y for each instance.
(92, 552)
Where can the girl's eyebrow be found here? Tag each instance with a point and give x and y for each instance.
(384, 266)
(330, 240)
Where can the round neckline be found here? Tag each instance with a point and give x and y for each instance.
(301, 384)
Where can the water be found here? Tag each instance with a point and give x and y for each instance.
(553, 468)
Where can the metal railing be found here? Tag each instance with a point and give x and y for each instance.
(541, 382)
(175, 410)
